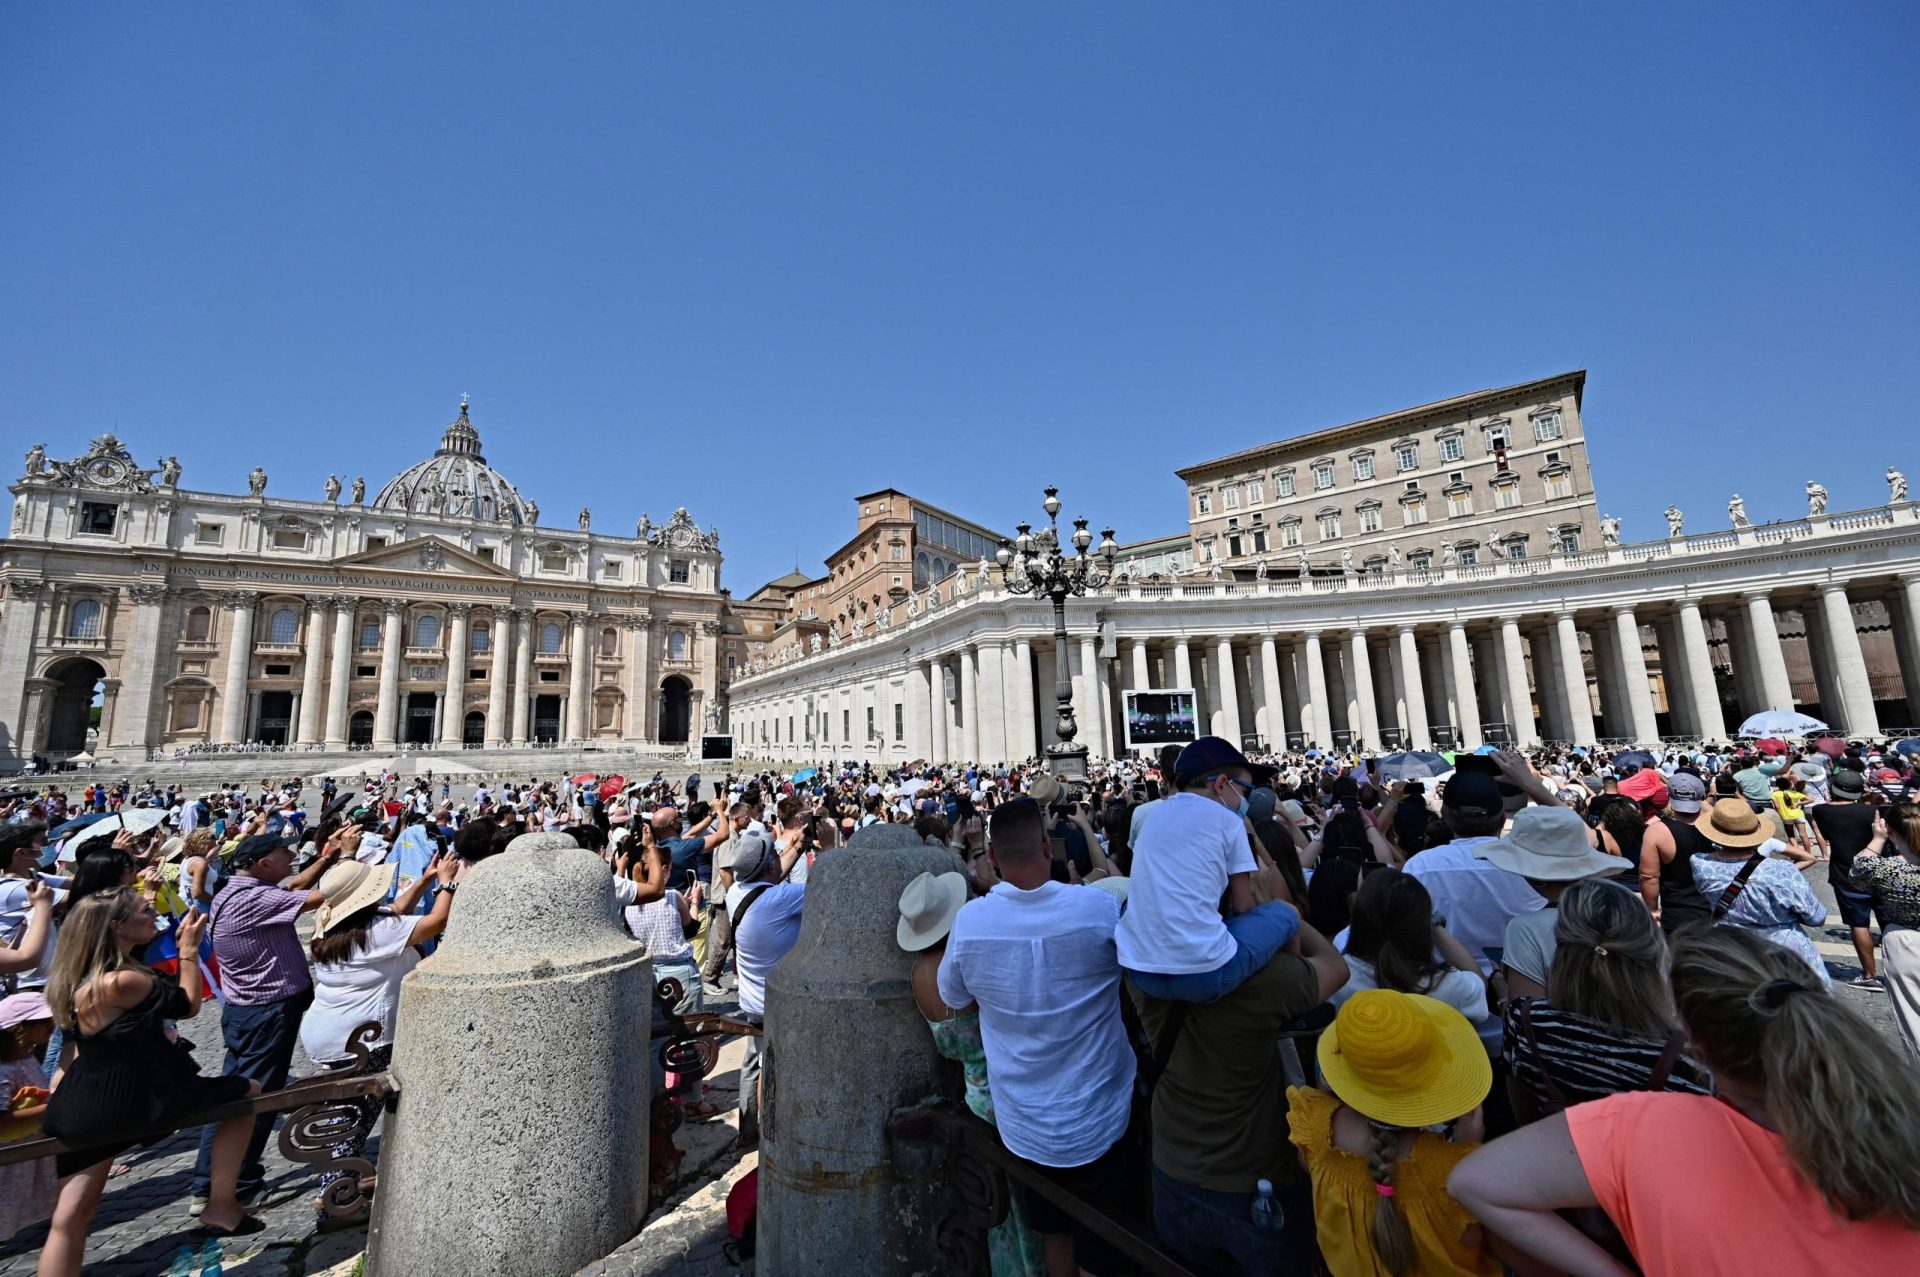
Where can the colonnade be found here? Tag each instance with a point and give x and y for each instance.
(1577, 672)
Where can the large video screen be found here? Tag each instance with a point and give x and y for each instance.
(716, 749)
(1161, 716)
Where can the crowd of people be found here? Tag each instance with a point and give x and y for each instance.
(1555, 1013)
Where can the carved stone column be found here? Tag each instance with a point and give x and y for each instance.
(240, 606)
(453, 703)
(22, 622)
(312, 671)
(134, 727)
(345, 610)
(522, 672)
(499, 652)
(387, 708)
(580, 677)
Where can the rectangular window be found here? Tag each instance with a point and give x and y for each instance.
(1469, 557)
(869, 722)
(1516, 549)
(1363, 467)
(1506, 496)
(484, 552)
(1451, 448)
(276, 671)
(1203, 503)
(1259, 540)
(1233, 498)
(1370, 519)
(1547, 426)
(846, 725)
(1256, 492)
(1499, 437)
(1407, 457)
(364, 671)
(1413, 512)
(1559, 485)
(1233, 547)
(1329, 527)
(289, 538)
(1323, 475)
(209, 533)
(1569, 540)
(899, 723)
(1283, 485)
(1290, 534)
(1421, 560)
(677, 571)
(97, 518)
(614, 569)
(553, 562)
(376, 543)
(1458, 504)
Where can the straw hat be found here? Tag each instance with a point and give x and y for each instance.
(1549, 844)
(349, 887)
(1044, 789)
(1732, 822)
(1404, 1060)
(927, 909)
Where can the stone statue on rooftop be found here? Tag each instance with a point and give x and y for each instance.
(257, 482)
(333, 487)
(359, 491)
(1676, 521)
(170, 472)
(1896, 486)
(1609, 530)
(1737, 511)
(1816, 500)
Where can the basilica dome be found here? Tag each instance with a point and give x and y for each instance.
(456, 482)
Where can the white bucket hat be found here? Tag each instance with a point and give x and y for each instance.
(1549, 844)
(927, 909)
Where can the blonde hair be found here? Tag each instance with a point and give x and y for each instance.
(199, 842)
(1610, 961)
(1846, 1105)
(1387, 1227)
(88, 949)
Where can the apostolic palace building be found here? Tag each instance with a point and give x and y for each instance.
(1438, 575)
(1443, 574)
(436, 612)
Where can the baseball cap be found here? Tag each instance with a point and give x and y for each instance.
(256, 848)
(1212, 754)
(1686, 792)
(1473, 792)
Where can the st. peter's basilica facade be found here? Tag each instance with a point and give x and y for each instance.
(437, 614)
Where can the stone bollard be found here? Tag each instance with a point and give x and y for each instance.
(520, 1141)
(846, 1045)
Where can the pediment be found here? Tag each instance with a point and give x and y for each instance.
(426, 554)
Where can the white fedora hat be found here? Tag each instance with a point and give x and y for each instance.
(1549, 844)
(927, 909)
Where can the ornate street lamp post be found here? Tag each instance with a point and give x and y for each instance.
(1036, 563)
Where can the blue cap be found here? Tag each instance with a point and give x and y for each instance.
(1212, 754)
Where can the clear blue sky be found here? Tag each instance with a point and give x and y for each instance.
(755, 260)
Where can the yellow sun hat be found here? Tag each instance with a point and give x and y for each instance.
(1404, 1060)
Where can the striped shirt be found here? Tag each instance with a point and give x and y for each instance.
(1587, 1059)
(254, 941)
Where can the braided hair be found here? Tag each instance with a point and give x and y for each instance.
(1387, 1229)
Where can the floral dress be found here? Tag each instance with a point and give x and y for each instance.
(1012, 1245)
(1776, 903)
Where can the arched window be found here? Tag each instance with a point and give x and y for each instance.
(426, 631)
(550, 638)
(199, 624)
(677, 646)
(369, 631)
(284, 627)
(480, 639)
(83, 622)
(609, 642)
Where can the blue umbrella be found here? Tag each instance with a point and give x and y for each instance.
(804, 775)
(1908, 747)
(1633, 758)
(1412, 765)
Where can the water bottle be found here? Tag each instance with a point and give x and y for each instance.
(1267, 1215)
(210, 1257)
(182, 1263)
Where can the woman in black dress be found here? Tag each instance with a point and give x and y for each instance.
(128, 1079)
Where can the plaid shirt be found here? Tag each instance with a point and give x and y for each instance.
(260, 955)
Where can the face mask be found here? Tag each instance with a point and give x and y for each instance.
(1245, 805)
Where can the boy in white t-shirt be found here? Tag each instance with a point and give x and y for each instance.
(1172, 939)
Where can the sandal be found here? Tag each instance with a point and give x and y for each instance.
(248, 1225)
